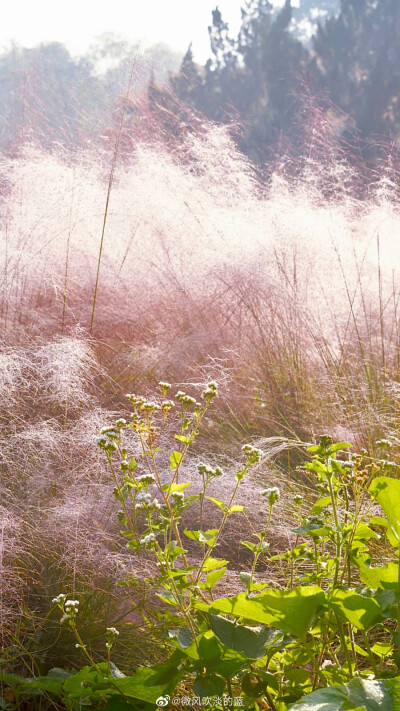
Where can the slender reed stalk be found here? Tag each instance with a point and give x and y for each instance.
(110, 184)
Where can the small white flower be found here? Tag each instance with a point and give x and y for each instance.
(112, 631)
(272, 494)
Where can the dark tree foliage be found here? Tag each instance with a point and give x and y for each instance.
(359, 55)
(262, 76)
(254, 77)
(308, 14)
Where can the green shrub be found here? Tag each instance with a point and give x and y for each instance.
(327, 636)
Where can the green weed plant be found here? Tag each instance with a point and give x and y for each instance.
(327, 637)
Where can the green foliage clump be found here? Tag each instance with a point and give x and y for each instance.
(327, 636)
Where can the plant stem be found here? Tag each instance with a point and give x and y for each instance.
(258, 550)
(110, 183)
(338, 541)
(370, 654)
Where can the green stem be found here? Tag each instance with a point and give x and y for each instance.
(371, 656)
(257, 552)
(344, 645)
(226, 514)
(338, 541)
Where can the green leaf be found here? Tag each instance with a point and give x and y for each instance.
(171, 488)
(298, 676)
(213, 563)
(149, 683)
(221, 505)
(167, 597)
(89, 682)
(362, 612)
(363, 532)
(251, 546)
(313, 529)
(317, 449)
(209, 685)
(291, 611)
(207, 537)
(236, 508)
(132, 466)
(380, 521)
(182, 438)
(210, 649)
(214, 576)
(252, 642)
(239, 476)
(183, 635)
(175, 460)
(44, 683)
(338, 446)
(383, 577)
(382, 649)
(255, 683)
(386, 491)
(321, 504)
(372, 695)
(58, 673)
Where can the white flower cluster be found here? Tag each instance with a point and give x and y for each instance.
(178, 497)
(210, 391)
(112, 631)
(151, 406)
(148, 540)
(69, 608)
(272, 494)
(59, 600)
(144, 501)
(166, 405)
(209, 472)
(185, 399)
(110, 444)
(253, 454)
(111, 635)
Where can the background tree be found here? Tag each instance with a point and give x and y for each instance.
(358, 53)
(253, 78)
